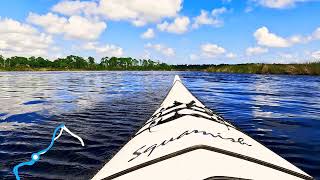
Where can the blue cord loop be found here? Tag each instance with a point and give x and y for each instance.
(36, 156)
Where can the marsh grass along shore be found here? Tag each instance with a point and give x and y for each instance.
(296, 69)
(77, 63)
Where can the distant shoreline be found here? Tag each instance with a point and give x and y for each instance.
(77, 63)
(289, 69)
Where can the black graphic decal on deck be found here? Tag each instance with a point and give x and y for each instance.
(199, 112)
(150, 149)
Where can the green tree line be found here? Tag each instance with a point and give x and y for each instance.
(73, 62)
(18, 63)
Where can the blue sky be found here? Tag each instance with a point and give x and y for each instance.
(172, 31)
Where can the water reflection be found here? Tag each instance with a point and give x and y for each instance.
(105, 108)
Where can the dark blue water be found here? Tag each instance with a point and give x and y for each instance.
(105, 108)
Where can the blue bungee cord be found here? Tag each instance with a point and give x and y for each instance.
(36, 156)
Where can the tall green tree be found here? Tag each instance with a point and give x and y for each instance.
(91, 60)
(2, 61)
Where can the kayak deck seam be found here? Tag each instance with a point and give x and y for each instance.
(209, 148)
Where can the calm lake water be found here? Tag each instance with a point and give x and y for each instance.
(105, 108)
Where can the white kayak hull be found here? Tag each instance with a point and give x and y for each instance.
(185, 140)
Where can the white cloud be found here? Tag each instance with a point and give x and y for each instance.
(218, 11)
(162, 49)
(231, 55)
(138, 22)
(255, 51)
(21, 39)
(148, 34)
(104, 50)
(316, 34)
(316, 55)
(265, 38)
(279, 4)
(75, 27)
(178, 26)
(138, 12)
(12, 26)
(203, 18)
(212, 50)
(143, 10)
(209, 19)
(75, 7)
(51, 22)
(82, 28)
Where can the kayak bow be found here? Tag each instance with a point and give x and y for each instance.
(184, 139)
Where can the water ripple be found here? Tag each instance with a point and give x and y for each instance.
(106, 108)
